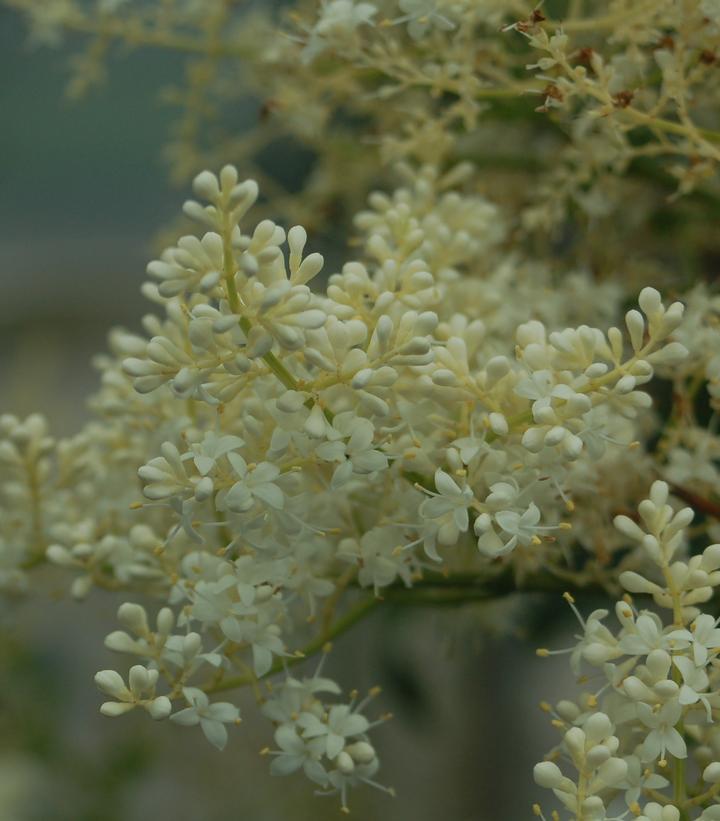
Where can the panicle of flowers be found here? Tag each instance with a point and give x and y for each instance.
(261, 450)
(655, 700)
(274, 453)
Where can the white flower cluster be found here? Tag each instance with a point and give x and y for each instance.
(301, 452)
(328, 742)
(657, 686)
(278, 451)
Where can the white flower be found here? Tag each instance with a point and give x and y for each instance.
(341, 16)
(296, 752)
(380, 557)
(337, 23)
(446, 512)
(639, 778)
(646, 636)
(352, 770)
(356, 454)
(212, 718)
(341, 723)
(422, 15)
(257, 482)
(206, 453)
(663, 736)
(522, 528)
(596, 645)
(703, 635)
(295, 696)
(695, 684)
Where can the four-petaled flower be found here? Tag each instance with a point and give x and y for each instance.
(212, 718)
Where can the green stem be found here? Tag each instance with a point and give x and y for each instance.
(354, 615)
(275, 365)
(451, 591)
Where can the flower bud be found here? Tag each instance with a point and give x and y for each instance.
(134, 617)
(547, 774)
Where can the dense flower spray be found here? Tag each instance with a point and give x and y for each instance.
(452, 414)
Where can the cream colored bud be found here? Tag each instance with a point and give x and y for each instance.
(134, 617)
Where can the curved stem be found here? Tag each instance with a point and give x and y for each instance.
(354, 615)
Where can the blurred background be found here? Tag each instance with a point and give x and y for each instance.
(83, 195)
(83, 191)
